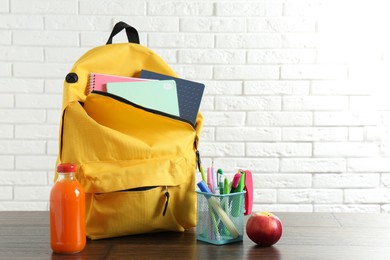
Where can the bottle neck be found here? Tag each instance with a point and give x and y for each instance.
(68, 176)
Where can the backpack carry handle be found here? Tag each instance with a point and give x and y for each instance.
(132, 34)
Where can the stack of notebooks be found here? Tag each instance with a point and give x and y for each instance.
(175, 96)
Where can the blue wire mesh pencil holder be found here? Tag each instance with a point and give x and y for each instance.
(220, 218)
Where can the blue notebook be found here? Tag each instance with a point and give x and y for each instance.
(159, 95)
(189, 94)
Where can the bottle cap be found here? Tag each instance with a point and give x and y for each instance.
(66, 167)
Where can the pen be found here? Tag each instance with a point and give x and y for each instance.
(226, 186)
(220, 181)
(235, 181)
(210, 180)
(238, 199)
(213, 173)
(203, 175)
(241, 183)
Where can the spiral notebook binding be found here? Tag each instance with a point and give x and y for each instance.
(97, 81)
(91, 83)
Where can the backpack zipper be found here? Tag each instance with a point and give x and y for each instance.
(167, 200)
(157, 112)
(167, 195)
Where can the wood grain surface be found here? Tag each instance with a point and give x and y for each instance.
(25, 235)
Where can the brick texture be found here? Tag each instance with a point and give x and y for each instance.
(289, 94)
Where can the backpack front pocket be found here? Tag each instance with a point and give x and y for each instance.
(134, 197)
(130, 212)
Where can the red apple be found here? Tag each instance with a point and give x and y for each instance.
(264, 228)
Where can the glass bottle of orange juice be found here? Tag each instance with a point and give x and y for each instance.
(67, 212)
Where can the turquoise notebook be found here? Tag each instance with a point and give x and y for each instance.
(158, 95)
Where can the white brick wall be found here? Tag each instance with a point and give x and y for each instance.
(296, 91)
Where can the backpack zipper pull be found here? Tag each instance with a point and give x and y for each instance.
(166, 202)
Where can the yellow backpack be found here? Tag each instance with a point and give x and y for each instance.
(137, 166)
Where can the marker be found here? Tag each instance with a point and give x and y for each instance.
(203, 187)
(226, 186)
(241, 183)
(237, 200)
(235, 181)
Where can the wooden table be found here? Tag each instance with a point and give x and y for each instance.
(305, 236)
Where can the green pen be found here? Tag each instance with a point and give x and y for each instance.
(225, 201)
(220, 182)
(226, 186)
(238, 199)
(203, 175)
(241, 183)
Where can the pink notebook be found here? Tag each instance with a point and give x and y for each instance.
(98, 81)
